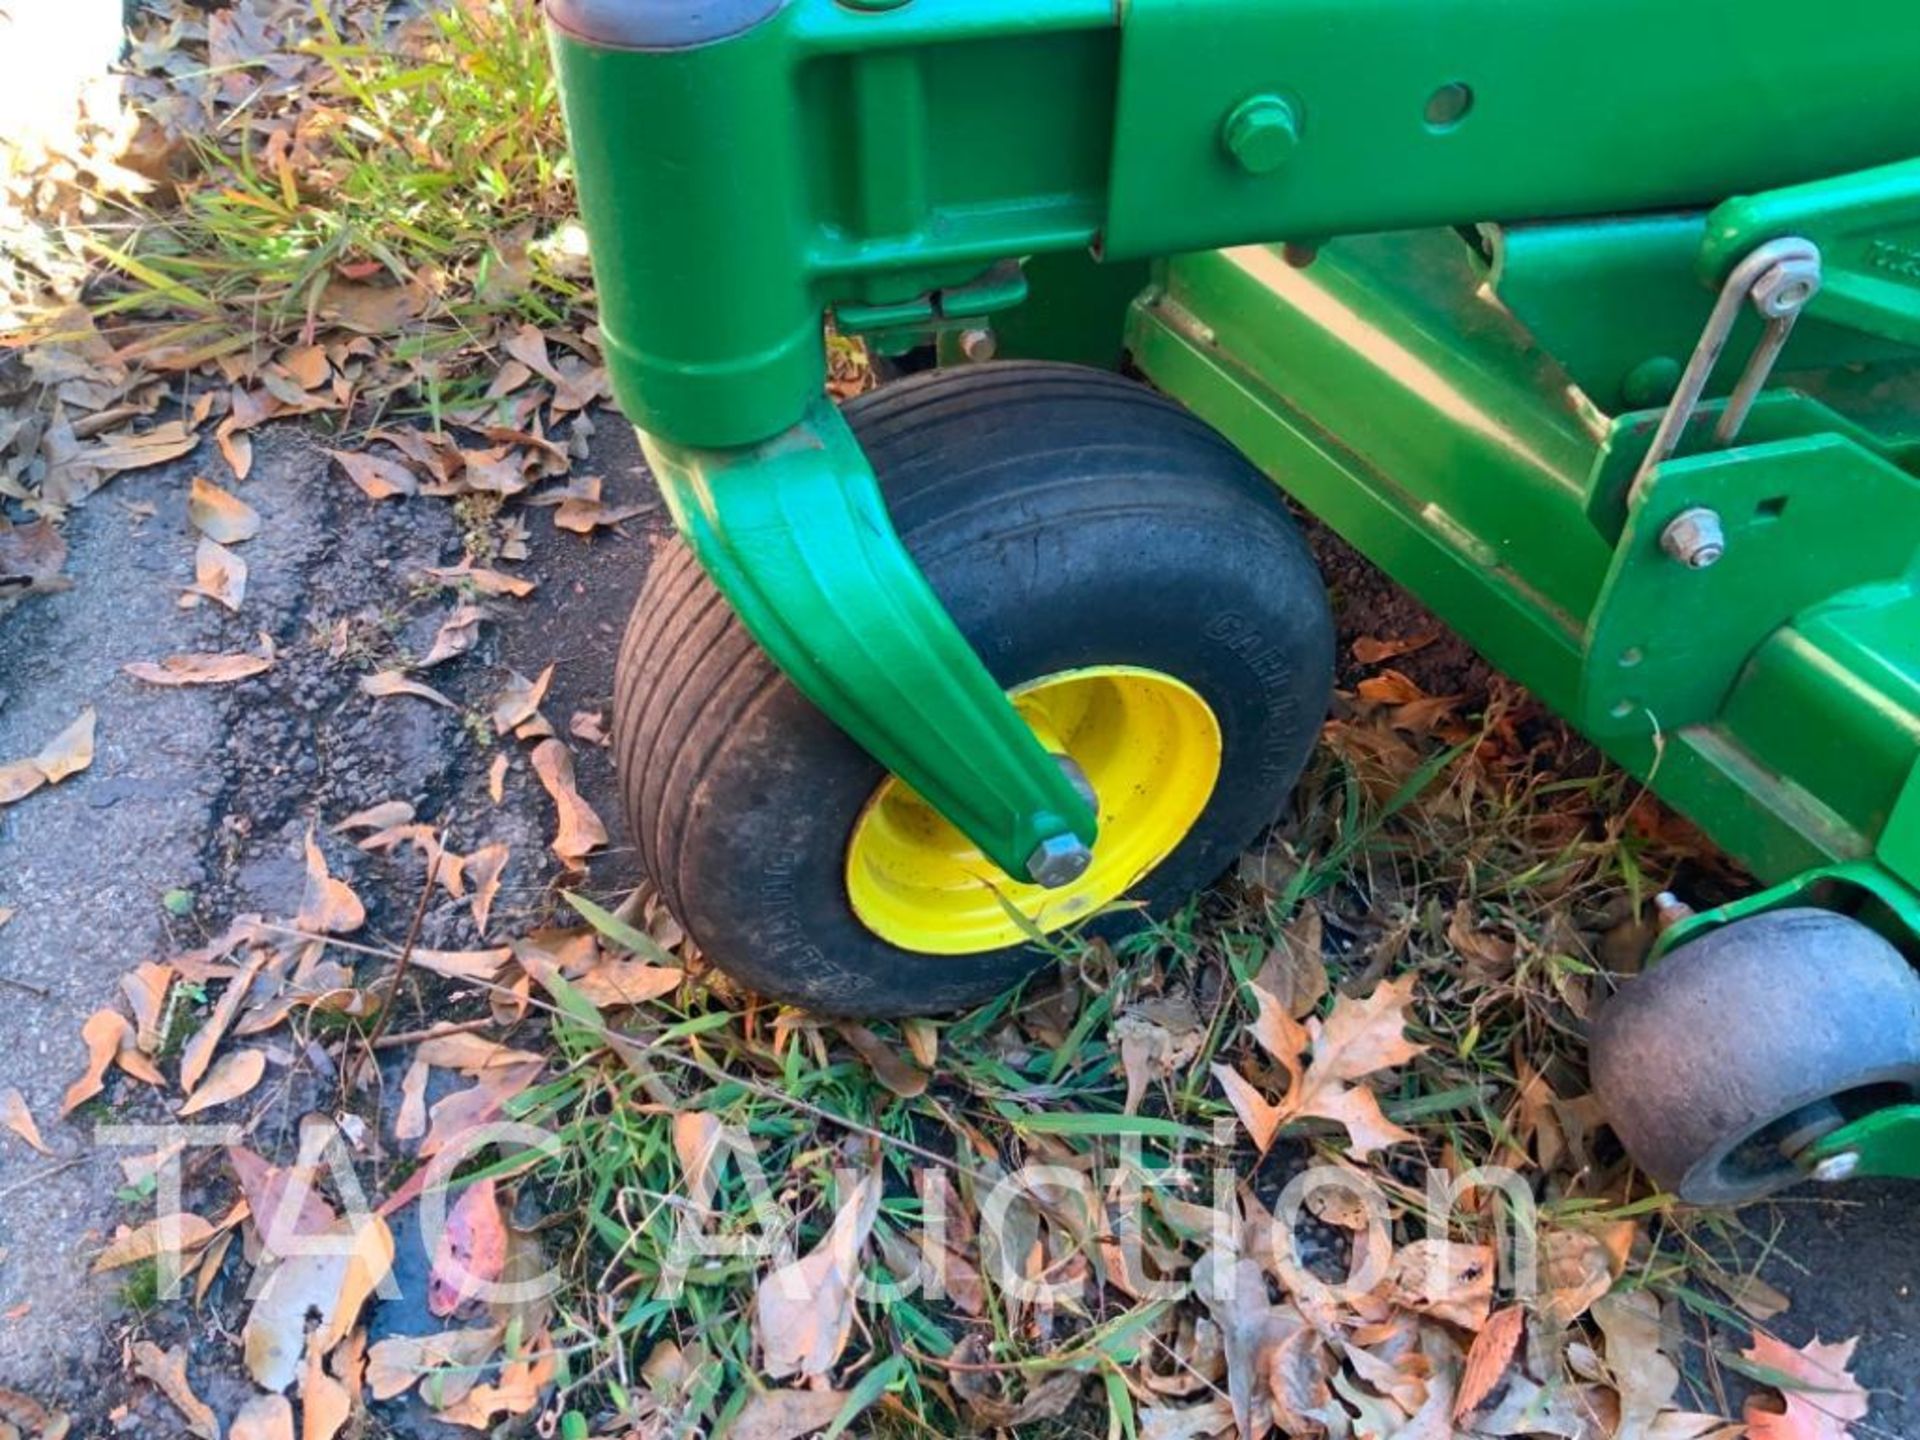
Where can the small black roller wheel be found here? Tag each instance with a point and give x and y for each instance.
(1132, 581)
(1744, 1046)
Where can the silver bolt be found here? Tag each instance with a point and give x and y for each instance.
(1694, 538)
(1058, 860)
(979, 344)
(1836, 1168)
(1669, 910)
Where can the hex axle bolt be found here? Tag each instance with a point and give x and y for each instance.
(979, 344)
(1260, 134)
(1836, 1168)
(1058, 860)
(1695, 538)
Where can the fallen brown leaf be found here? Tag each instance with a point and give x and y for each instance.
(458, 633)
(1369, 650)
(231, 1077)
(199, 669)
(325, 1405)
(69, 752)
(199, 1051)
(580, 830)
(1445, 1279)
(1818, 1394)
(395, 1364)
(105, 1032)
(485, 867)
(167, 1369)
(15, 1115)
(470, 1252)
(803, 1311)
(329, 907)
(487, 582)
(385, 683)
(787, 1414)
(1487, 1360)
(169, 1235)
(145, 987)
(330, 1283)
(219, 574)
(220, 516)
(378, 477)
(264, 1417)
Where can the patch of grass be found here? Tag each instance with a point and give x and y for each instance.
(428, 158)
(1478, 865)
(140, 1287)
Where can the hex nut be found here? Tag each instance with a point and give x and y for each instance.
(1058, 860)
(1695, 538)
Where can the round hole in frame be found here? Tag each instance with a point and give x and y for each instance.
(1449, 105)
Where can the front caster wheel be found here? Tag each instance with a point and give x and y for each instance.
(1136, 586)
(1748, 1044)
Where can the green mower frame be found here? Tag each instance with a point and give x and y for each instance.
(1595, 323)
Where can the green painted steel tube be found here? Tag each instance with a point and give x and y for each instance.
(825, 153)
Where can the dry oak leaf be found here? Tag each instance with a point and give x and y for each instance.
(15, 1115)
(219, 515)
(231, 1077)
(330, 1279)
(1359, 1038)
(580, 830)
(199, 669)
(167, 1369)
(329, 907)
(803, 1311)
(387, 683)
(1818, 1393)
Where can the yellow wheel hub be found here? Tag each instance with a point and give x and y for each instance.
(1151, 748)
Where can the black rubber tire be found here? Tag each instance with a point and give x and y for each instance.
(1702, 1064)
(1067, 518)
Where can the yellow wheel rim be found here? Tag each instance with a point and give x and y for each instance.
(1151, 748)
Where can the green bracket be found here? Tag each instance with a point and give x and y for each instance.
(796, 535)
(1858, 888)
(1885, 1145)
(1804, 519)
(1867, 225)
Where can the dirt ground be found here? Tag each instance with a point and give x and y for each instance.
(209, 794)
